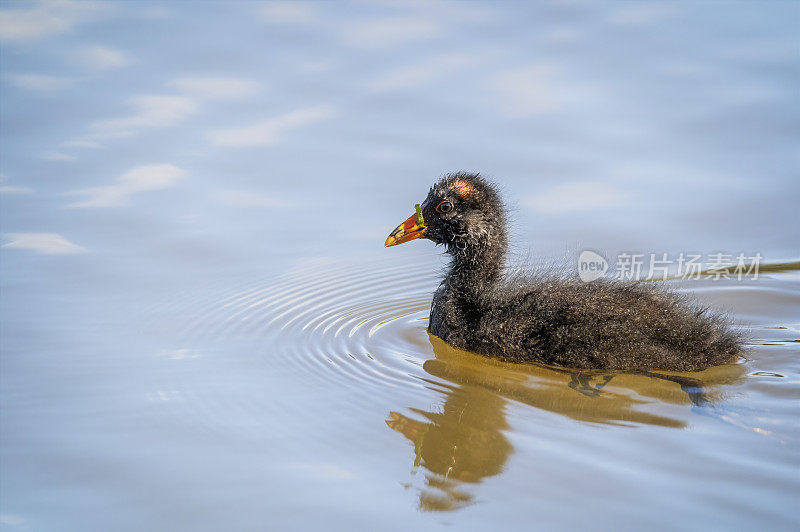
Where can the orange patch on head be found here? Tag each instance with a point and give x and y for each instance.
(462, 188)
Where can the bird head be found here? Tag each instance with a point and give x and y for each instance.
(462, 211)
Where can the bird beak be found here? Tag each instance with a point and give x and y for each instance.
(412, 228)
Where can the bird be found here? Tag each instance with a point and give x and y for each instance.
(551, 317)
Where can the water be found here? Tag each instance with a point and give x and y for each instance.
(241, 405)
(218, 340)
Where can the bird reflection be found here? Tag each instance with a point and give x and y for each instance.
(464, 442)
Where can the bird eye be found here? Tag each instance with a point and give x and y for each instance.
(444, 207)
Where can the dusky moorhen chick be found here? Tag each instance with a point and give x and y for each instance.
(549, 318)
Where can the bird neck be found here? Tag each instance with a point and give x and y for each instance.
(477, 267)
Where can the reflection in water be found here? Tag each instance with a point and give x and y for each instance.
(462, 443)
(465, 441)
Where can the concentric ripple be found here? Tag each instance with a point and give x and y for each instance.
(362, 327)
(334, 319)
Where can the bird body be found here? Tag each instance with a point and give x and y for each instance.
(551, 318)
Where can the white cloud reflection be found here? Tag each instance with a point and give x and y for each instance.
(214, 88)
(179, 354)
(11, 189)
(150, 111)
(640, 13)
(579, 196)
(98, 57)
(40, 82)
(389, 31)
(35, 20)
(47, 243)
(425, 71)
(80, 143)
(270, 131)
(59, 157)
(287, 12)
(528, 90)
(11, 520)
(140, 179)
(165, 110)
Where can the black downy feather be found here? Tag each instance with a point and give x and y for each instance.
(553, 318)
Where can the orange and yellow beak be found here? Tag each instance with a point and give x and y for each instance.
(412, 228)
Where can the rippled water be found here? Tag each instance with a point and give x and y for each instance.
(330, 376)
(462, 417)
(323, 385)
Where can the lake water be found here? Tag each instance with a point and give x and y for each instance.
(201, 329)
